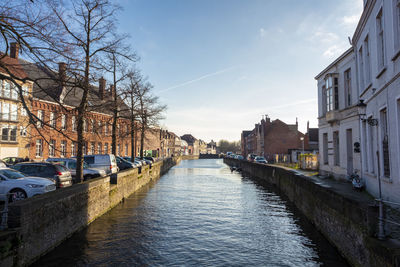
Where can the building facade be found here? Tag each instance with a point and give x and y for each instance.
(14, 122)
(376, 43)
(338, 118)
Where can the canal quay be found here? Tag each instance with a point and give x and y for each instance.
(200, 213)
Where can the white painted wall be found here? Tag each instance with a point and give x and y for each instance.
(383, 92)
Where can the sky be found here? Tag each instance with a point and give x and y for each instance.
(220, 65)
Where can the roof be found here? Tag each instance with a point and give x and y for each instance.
(47, 87)
(190, 139)
(246, 133)
(12, 65)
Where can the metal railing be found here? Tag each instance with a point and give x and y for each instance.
(382, 220)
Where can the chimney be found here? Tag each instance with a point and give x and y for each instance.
(297, 123)
(112, 91)
(308, 125)
(14, 50)
(102, 87)
(62, 69)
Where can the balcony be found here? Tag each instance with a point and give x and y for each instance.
(332, 116)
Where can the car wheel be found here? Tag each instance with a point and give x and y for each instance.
(16, 195)
(87, 177)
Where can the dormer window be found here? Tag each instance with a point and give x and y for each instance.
(332, 92)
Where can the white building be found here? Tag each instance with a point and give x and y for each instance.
(339, 121)
(374, 63)
(376, 42)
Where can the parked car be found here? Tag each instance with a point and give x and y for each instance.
(106, 162)
(239, 157)
(259, 159)
(56, 172)
(151, 159)
(251, 157)
(135, 163)
(143, 161)
(21, 186)
(88, 173)
(123, 164)
(13, 160)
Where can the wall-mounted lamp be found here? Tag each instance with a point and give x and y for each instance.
(362, 113)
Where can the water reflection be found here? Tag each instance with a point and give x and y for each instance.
(199, 214)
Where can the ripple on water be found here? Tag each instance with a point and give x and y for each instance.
(199, 213)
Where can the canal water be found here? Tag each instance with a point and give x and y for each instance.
(199, 214)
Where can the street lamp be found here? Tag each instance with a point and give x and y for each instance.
(302, 143)
(361, 106)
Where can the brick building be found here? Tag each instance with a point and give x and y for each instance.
(271, 138)
(14, 122)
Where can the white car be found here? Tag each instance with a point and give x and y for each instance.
(21, 186)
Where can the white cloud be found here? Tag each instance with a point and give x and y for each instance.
(350, 21)
(262, 32)
(334, 51)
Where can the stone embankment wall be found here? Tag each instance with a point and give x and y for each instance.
(190, 157)
(346, 222)
(43, 222)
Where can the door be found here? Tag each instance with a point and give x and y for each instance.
(349, 139)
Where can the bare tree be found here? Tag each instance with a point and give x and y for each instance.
(149, 111)
(88, 27)
(116, 63)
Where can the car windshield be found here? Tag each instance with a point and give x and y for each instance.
(11, 174)
(61, 168)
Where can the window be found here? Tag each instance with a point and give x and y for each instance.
(331, 92)
(52, 148)
(5, 111)
(40, 116)
(6, 89)
(85, 126)
(371, 153)
(100, 129)
(99, 148)
(73, 123)
(63, 122)
(325, 148)
(367, 62)
(119, 149)
(25, 90)
(347, 87)
(396, 22)
(92, 125)
(22, 131)
(9, 133)
(106, 148)
(73, 149)
(23, 111)
(85, 148)
(361, 67)
(380, 41)
(63, 148)
(52, 119)
(39, 148)
(126, 150)
(13, 112)
(92, 148)
(336, 148)
(106, 129)
(13, 91)
(385, 143)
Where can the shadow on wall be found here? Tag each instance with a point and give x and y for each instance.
(44, 221)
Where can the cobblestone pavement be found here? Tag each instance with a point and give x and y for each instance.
(345, 188)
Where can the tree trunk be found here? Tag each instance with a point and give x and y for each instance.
(142, 141)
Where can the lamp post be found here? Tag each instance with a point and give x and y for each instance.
(372, 122)
(302, 144)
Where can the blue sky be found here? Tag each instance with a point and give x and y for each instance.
(220, 65)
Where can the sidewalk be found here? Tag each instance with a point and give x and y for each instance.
(345, 188)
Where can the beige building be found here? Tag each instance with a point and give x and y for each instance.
(14, 141)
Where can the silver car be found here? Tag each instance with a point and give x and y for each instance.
(88, 173)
